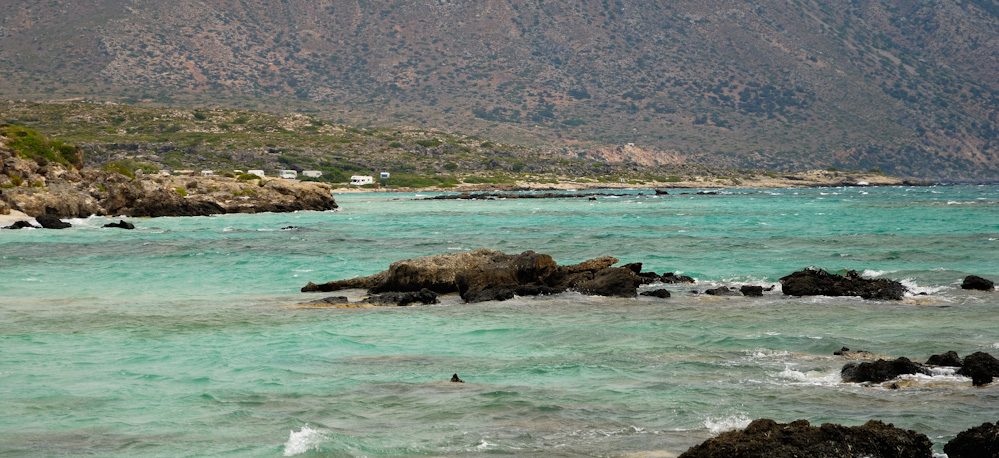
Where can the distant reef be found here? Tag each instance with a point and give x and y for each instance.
(43, 177)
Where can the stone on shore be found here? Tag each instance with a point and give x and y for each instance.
(881, 370)
(52, 222)
(975, 282)
(978, 442)
(768, 439)
(817, 282)
(981, 367)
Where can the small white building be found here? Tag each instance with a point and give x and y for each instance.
(385, 174)
(287, 174)
(361, 180)
(207, 173)
(312, 173)
(259, 173)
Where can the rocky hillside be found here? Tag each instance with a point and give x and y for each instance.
(906, 86)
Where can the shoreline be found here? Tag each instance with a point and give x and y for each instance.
(808, 179)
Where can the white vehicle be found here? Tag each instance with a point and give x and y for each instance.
(287, 174)
(361, 180)
(259, 173)
(312, 173)
(207, 173)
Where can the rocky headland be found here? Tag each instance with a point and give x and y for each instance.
(37, 185)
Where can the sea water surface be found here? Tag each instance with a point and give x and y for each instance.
(179, 339)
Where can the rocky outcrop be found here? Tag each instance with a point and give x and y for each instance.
(981, 367)
(881, 370)
(949, 358)
(486, 275)
(977, 283)
(723, 291)
(750, 290)
(54, 189)
(978, 442)
(21, 225)
(768, 439)
(52, 222)
(817, 282)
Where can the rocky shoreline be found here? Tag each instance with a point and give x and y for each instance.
(40, 187)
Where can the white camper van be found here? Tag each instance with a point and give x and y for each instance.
(361, 180)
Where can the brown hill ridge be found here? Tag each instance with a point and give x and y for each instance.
(906, 86)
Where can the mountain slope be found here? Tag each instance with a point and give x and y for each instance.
(910, 87)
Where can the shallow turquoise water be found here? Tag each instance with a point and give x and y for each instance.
(176, 340)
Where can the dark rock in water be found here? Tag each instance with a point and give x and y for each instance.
(852, 354)
(121, 224)
(21, 225)
(947, 359)
(768, 439)
(981, 367)
(977, 283)
(881, 370)
(635, 267)
(455, 379)
(723, 291)
(646, 278)
(612, 281)
(660, 293)
(662, 192)
(507, 292)
(332, 300)
(748, 290)
(812, 282)
(671, 278)
(350, 283)
(841, 351)
(978, 442)
(52, 222)
(424, 296)
(290, 228)
(593, 198)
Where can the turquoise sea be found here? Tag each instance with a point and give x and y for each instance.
(177, 339)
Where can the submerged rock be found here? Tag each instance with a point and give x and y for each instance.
(52, 222)
(121, 224)
(981, 367)
(401, 299)
(660, 293)
(723, 291)
(332, 300)
(881, 370)
(977, 283)
(978, 442)
(817, 282)
(768, 439)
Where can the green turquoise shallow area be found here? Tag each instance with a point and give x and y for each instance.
(177, 339)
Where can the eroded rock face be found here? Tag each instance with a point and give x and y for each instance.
(812, 282)
(769, 439)
(978, 442)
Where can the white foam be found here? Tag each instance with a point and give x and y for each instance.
(303, 441)
(995, 345)
(875, 273)
(720, 425)
(809, 378)
(484, 445)
(915, 289)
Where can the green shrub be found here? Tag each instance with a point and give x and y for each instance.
(119, 168)
(181, 191)
(30, 144)
(16, 180)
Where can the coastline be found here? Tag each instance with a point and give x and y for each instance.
(806, 179)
